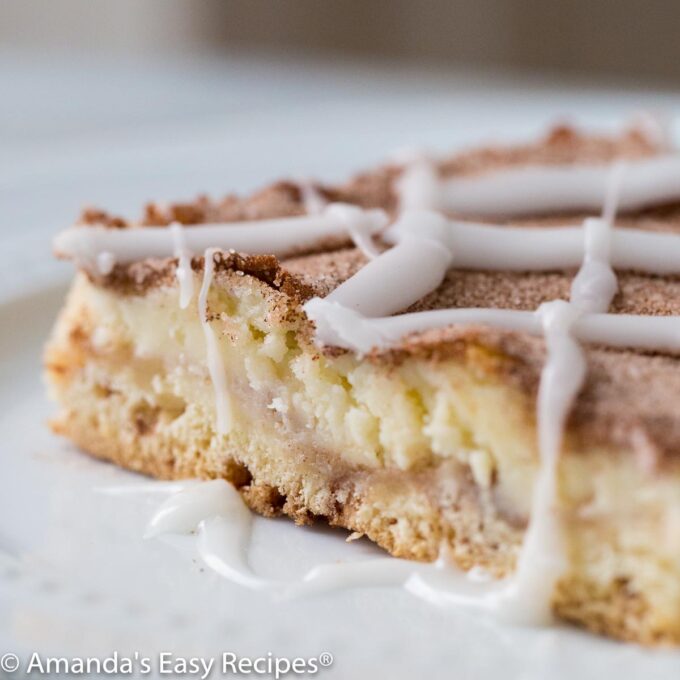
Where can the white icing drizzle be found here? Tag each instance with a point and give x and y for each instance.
(188, 506)
(222, 544)
(612, 196)
(214, 358)
(418, 186)
(340, 326)
(541, 188)
(492, 247)
(475, 245)
(106, 261)
(358, 223)
(401, 275)
(312, 199)
(216, 513)
(275, 236)
(657, 126)
(542, 560)
(184, 273)
(426, 245)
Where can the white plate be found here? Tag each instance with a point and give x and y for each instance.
(76, 576)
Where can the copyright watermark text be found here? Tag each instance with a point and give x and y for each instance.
(227, 664)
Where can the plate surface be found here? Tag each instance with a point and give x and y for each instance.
(78, 578)
(76, 575)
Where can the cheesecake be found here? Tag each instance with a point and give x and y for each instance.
(296, 343)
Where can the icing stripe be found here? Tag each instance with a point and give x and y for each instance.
(261, 237)
(540, 189)
(395, 279)
(337, 325)
(185, 275)
(214, 358)
(475, 245)
(542, 560)
(312, 199)
(493, 247)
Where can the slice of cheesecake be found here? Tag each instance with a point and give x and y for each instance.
(208, 366)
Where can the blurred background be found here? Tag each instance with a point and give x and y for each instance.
(593, 38)
(115, 102)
